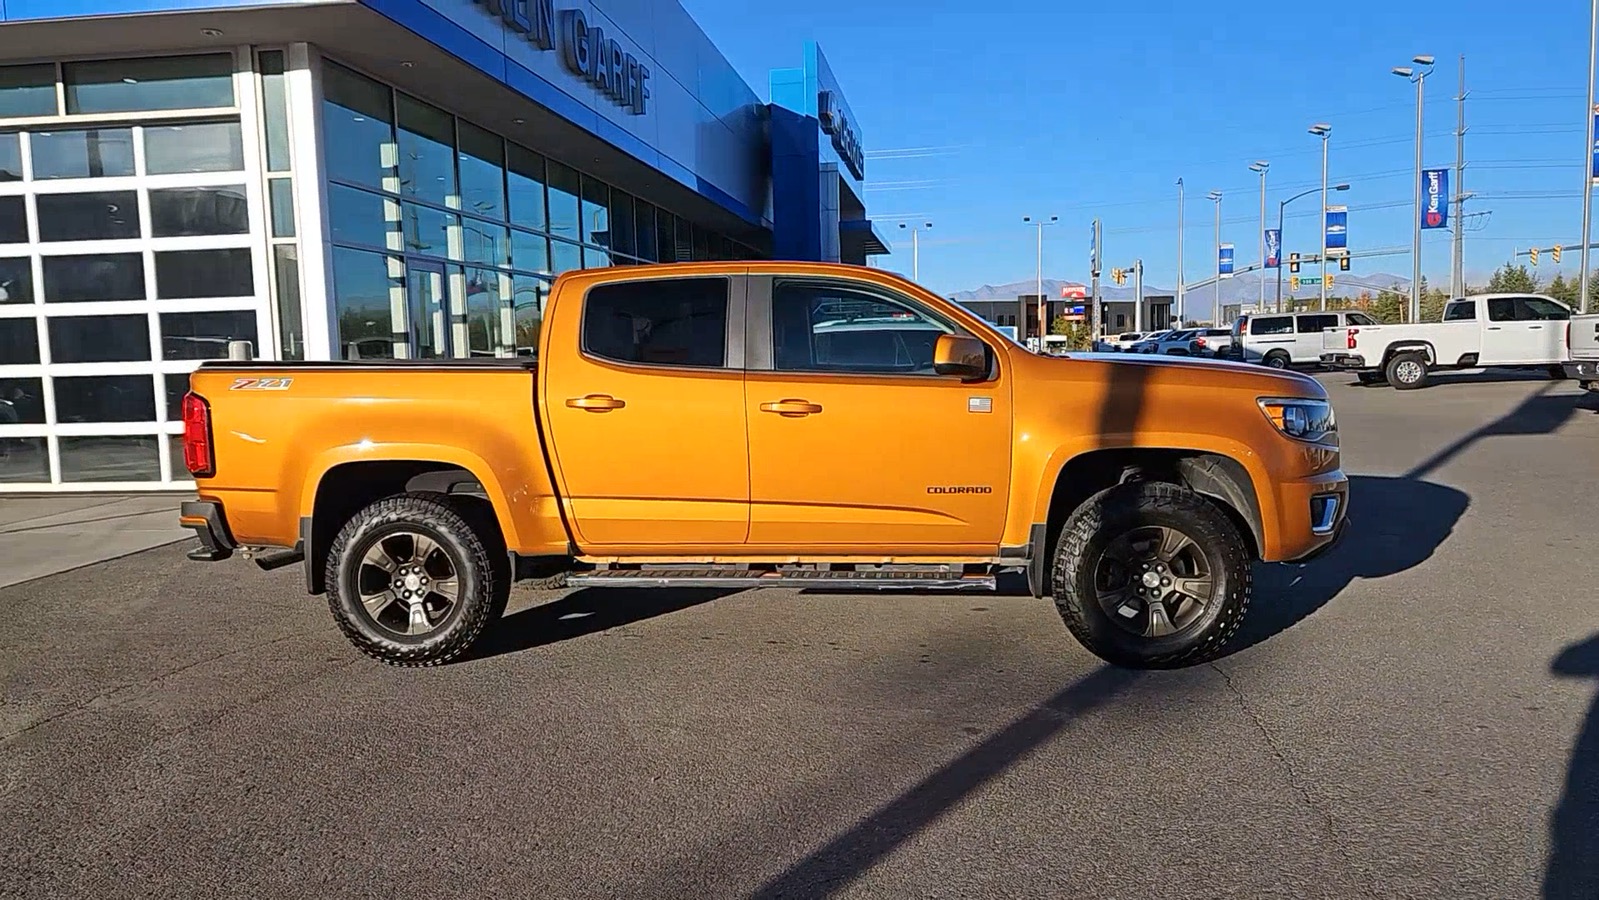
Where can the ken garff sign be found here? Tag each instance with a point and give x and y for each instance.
(1274, 248)
(1337, 237)
(846, 141)
(1593, 164)
(1224, 260)
(1435, 198)
(585, 50)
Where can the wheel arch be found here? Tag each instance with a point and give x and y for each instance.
(1398, 347)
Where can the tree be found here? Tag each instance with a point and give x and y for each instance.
(1513, 280)
(1388, 308)
(1077, 336)
(1563, 290)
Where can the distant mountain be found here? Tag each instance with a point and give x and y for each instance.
(1243, 289)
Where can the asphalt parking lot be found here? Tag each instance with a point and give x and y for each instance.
(1415, 714)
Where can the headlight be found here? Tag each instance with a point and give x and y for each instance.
(1305, 420)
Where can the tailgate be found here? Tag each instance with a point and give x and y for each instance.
(1335, 339)
(1584, 337)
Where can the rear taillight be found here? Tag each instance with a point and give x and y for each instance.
(198, 454)
(1568, 335)
(1349, 340)
(1201, 342)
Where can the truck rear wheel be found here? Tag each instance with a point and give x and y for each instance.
(1277, 359)
(411, 583)
(1407, 371)
(1151, 575)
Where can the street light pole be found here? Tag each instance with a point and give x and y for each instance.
(916, 249)
(1180, 248)
(1215, 312)
(1588, 153)
(1323, 131)
(1419, 76)
(1281, 207)
(1261, 166)
(1043, 306)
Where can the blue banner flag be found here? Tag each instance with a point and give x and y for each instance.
(1435, 198)
(1224, 260)
(1337, 237)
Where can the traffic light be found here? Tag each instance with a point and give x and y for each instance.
(1533, 255)
(1118, 275)
(1293, 282)
(1554, 254)
(1329, 280)
(1293, 263)
(1343, 263)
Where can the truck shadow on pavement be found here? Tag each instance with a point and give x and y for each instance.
(1573, 868)
(583, 612)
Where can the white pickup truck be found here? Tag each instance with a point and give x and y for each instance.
(1582, 345)
(1522, 331)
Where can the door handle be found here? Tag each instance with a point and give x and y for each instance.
(596, 403)
(1494, 328)
(1534, 327)
(792, 408)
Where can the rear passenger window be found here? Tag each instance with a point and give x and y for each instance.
(667, 322)
(1314, 324)
(1461, 312)
(1502, 310)
(1272, 325)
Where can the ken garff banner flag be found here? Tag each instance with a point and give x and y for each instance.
(1435, 198)
(1224, 260)
(1274, 248)
(1337, 234)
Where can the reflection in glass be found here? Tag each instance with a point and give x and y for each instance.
(98, 216)
(27, 91)
(488, 316)
(596, 212)
(24, 460)
(10, 156)
(427, 230)
(13, 220)
(482, 162)
(99, 459)
(427, 152)
(90, 153)
(564, 212)
(197, 147)
(291, 327)
(19, 342)
(358, 122)
(645, 230)
(665, 237)
(359, 217)
(622, 224)
(205, 335)
(22, 401)
(527, 305)
(131, 85)
(564, 257)
(702, 243)
(594, 258)
(186, 212)
(177, 385)
(105, 398)
(428, 313)
(16, 280)
(85, 279)
(190, 274)
(530, 252)
(525, 177)
(485, 244)
(368, 292)
(280, 197)
(275, 103)
(83, 339)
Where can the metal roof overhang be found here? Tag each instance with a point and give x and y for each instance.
(861, 237)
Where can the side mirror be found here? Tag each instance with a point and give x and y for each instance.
(955, 354)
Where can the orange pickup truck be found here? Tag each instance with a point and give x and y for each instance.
(749, 425)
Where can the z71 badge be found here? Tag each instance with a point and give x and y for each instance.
(261, 384)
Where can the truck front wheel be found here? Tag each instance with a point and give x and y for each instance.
(411, 583)
(1407, 371)
(1151, 575)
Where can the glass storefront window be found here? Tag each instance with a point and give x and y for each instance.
(97, 216)
(428, 230)
(205, 335)
(485, 329)
(359, 217)
(105, 398)
(275, 103)
(525, 178)
(596, 212)
(427, 152)
(280, 202)
(530, 252)
(485, 244)
(193, 274)
(596, 258)
(16, 280)
(86, 279)
(133, 85)
(86, 339)
(28, 90)
(196, 147)
(10, 156)
(110, 458)
(564, 257)
(291, 327)
(702, 243)
(13, 220)
(21, 401)
(24, 461)
(622, 236)
(367, 288)
(527, 312)
(564, 213)
(19, 342)
(90, 153)
(644, 229)
(358, 126)
(190, 212)
(666, 237)
(176, 385)
(482, 163)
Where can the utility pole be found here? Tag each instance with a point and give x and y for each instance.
(1215, 197)
(1094, 324)
(1323, 131)
(1417, 74)
(1138, 294)
(1588, 157)
(1043, 304)
(916, 250)
(1179, 251)
(1260, 166)
(1457, 269)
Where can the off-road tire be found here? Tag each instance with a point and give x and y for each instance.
(1110, 514)
(1277, 359)
(483, 577)
(1392, 370)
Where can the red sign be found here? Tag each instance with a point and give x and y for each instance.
(1074, 292)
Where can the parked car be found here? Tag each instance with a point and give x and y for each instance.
(1126, 340)
(1149, 341)
(1582, 345)
(1282, 340)
(1517, 331)
(1211, 342)
(691, 425)
(1177, 343)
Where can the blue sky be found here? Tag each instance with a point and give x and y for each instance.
(1038, 107)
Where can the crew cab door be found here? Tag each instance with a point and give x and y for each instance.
(1524, 330)
(856, 445)
(643, 399)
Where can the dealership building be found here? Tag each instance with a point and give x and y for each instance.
(341, 179)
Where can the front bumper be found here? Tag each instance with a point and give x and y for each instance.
(205, 519)
(1344, 361)
(1583, 370)
(1312, 516)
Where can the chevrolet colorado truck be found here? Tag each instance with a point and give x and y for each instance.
(746, 425)
(1582, 346)
(1517, 331)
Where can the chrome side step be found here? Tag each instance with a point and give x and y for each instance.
(743, 579)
